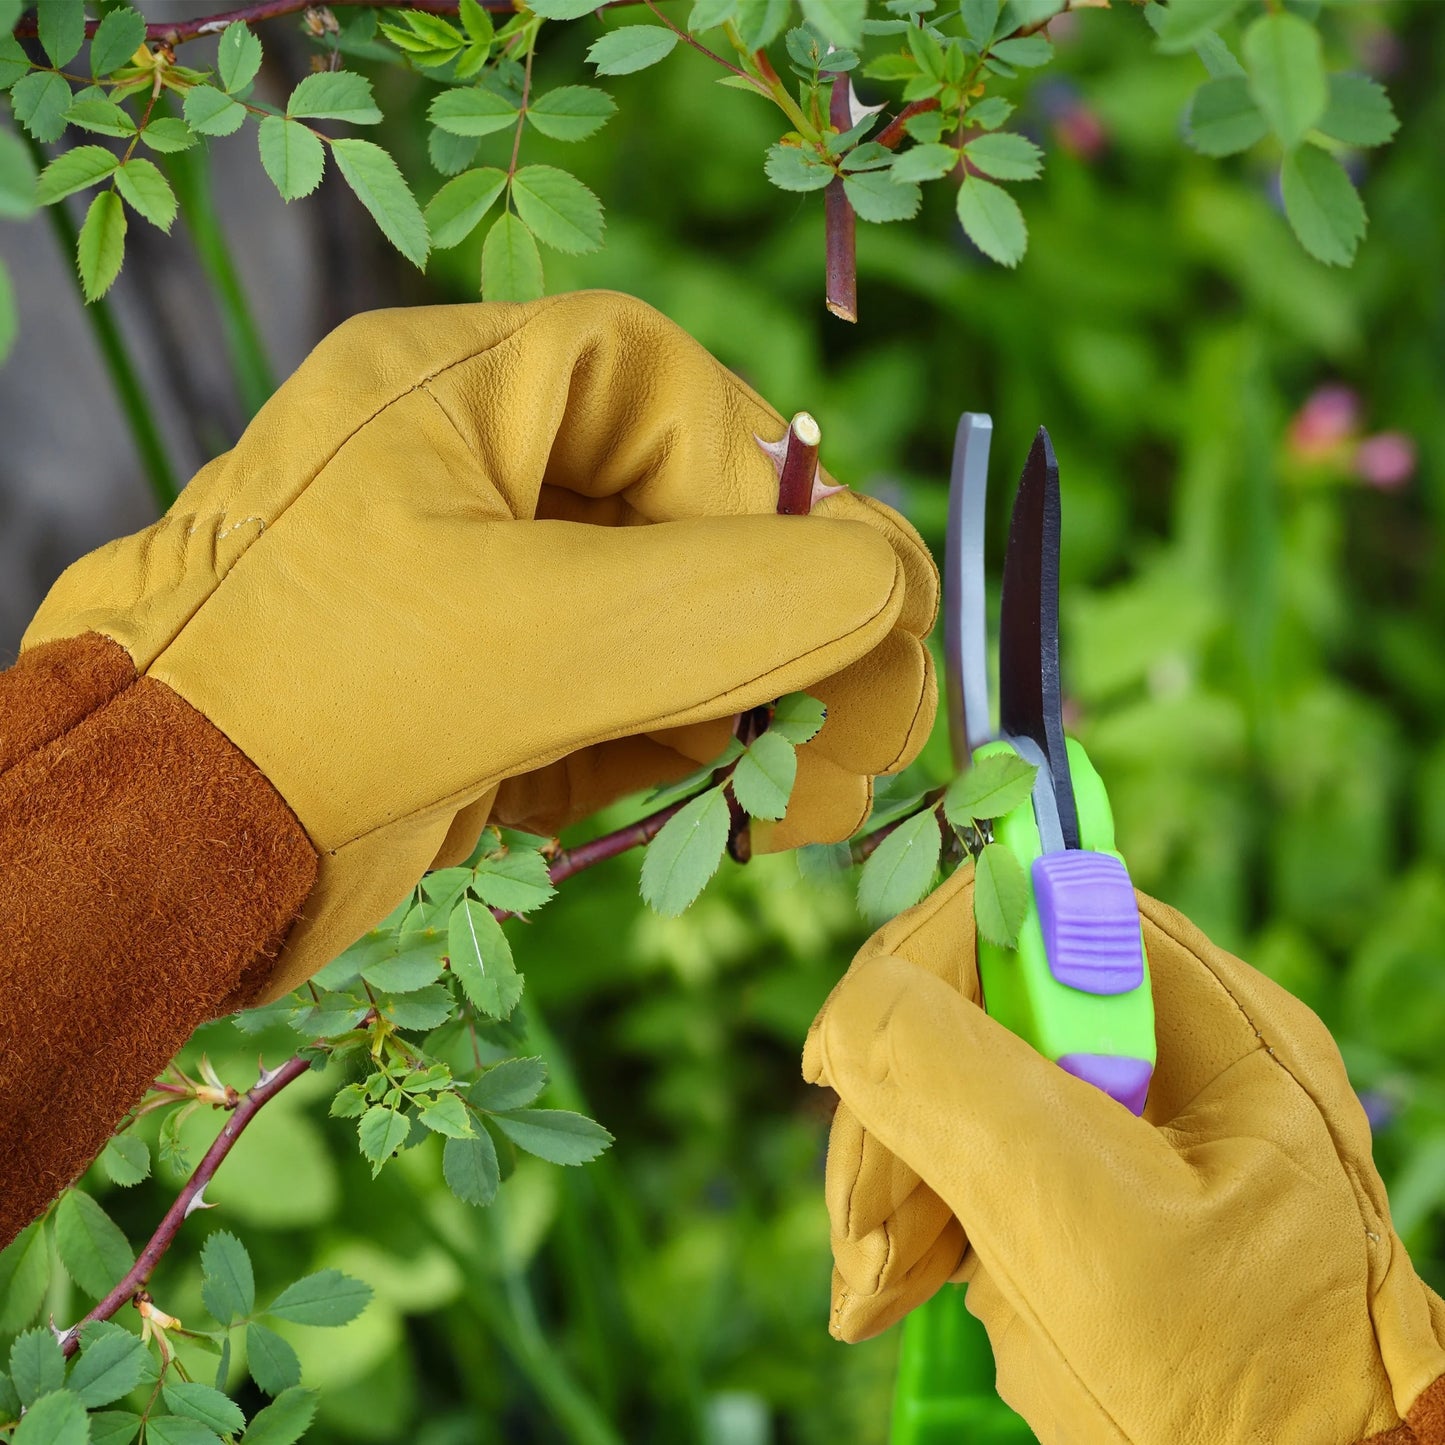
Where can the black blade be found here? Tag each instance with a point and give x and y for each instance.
(1029, 700)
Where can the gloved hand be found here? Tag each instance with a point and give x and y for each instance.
(1222, 1270)
(470, 562)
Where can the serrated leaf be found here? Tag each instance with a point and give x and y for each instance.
(893, 67)
(1180, 25)
(379, 185)
(1000, 895)
(179, 1430)
(201, 1403)
(840, 21)
(291, 155)
(709, 14)
(988, 114)
(334, 95)
(798, 717)
(285, 1420)
(104, 117)
(511, 263)
(61, 27)
(91, 1246)
(1323, 206)
(126, 1160)
(516, 881)
(867, 157)
(118, 36)
(760, 22)
(382, 1132)
(992, 220)
(1005, 156)
(113, 1427)
(992, 787)
(822, 864)
(928, 162)
(442, 889)
(210, 112)
(348, 1103)
(563, 9)
(327, 1297)
(450, 154)
(763, 780)
(415, 962)
(13, 61)
(40, 101)
(55, 1419)
(24, 1277)
(470, 1168)
(147, 190)
(630, 48)
(271, 1361)
(476, 22)
(558, 209)
(228, 1282)
(1223, 118)
(447, 1114)
(1027, 51)
(1286, 74)
(482, 959)
(980, 17)
(459, 206)
(168, 135)
(472, 112)
(427, 1008)
(791, 168)
(685, 853)
(557, 1135)
(900, 868)
(876, 196)
(1359, 112)
(238, 56)
(17, 178)
(511, 1084)
(571, 112)
(36, 1365)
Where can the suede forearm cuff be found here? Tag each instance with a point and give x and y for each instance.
(149, 873)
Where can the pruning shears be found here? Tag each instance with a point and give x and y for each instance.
(1076, 987)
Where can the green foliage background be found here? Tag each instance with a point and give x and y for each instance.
(1254, 648)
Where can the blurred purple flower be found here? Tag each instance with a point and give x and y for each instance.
(1329, 417)
(1386, 460)
(1379, 1108)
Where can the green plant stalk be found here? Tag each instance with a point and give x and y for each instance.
(120, 365)
(774, 86)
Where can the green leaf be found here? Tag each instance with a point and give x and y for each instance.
(900, 868)
(446, 1114)
(178, 1430)
(334, 95)
(988, 114)
(631, 47)
(426, 1008)
(472, 112)
(980, 17)
(17, 178)
(760, 22)
(1027, 51)
(870, 156)
(482, 959)
(91, 1246)
(40, 101)
(291, 154)
(763, 779)
(9, 1400)
(57, 1418)
(791, 168)
(1005, 156)
(840, 21)
(571, 112)
(516, 881)
(272, 1362)
(24, 1277)
(669, 793)
(477, 23)
(798, 717)
(993, 786)
(556, 1135)
(148, 191)
(1359, 112)
(511, 265)
(13, 61)
(284, 1421)
(349, 1103)
(416, 962)
(470, 1168)
(238, 56)
(1000, 896)
(36, 1365)
(228, 1283)
(1286, 74)
(558, 209)
(451, 154)
(924, 163)
(822, 864)
(992, 220)
(168, 135)
(110, 1364)
(327, 1297)
(457, 208)
(876, 196)
(102, 116)
(511, 1084)
(209, 112)
(61, 26)
(202, 1403)
(381, 188)
(114, 1427)
(1217, 57)
(118, 36)
(382, 1132)
(1184, 22)
(1323, 206)
(685, 853)
(563, 9)
(1223, 118)
(9, 326)
(709, 14)
(126, 1160)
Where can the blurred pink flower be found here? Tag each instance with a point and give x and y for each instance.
(1386, 460)
(1329, 417)
(1080, 132)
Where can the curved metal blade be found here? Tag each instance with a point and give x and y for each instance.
(965, 630)
(1030, 704)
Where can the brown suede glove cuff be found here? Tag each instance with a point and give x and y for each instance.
(148, 875)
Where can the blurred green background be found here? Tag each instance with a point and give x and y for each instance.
(1254, 654)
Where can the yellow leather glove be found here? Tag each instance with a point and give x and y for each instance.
(1222, 1270)
(510, 561)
